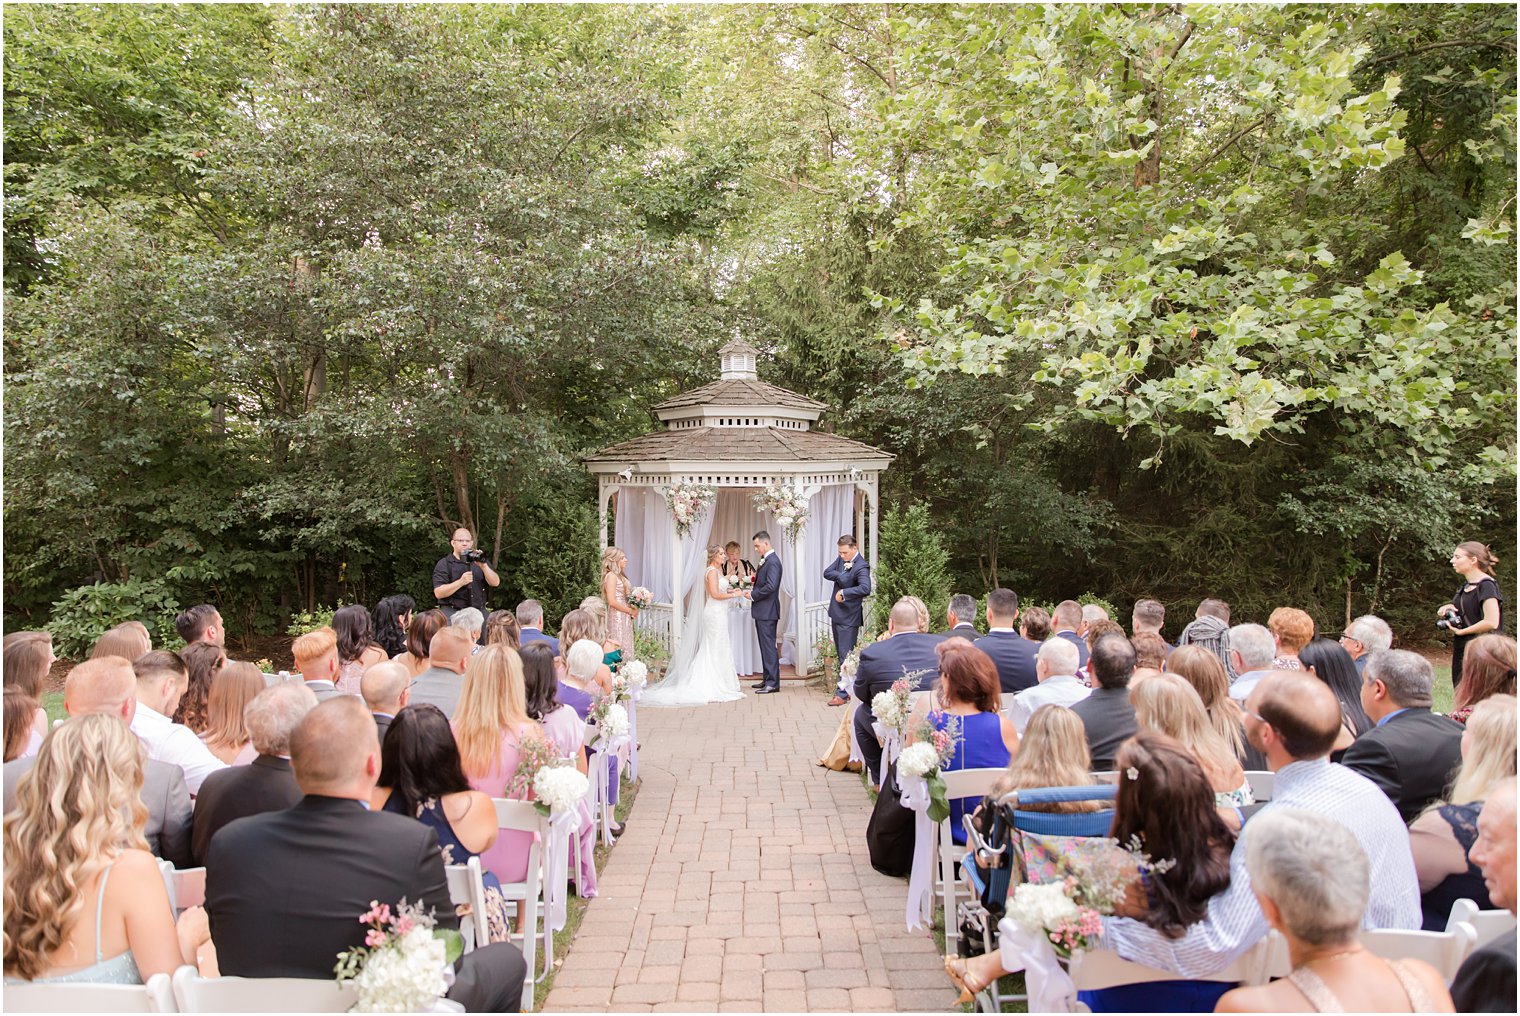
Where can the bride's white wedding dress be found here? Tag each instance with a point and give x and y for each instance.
(703, 669)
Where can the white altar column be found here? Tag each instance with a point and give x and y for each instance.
(677, 599)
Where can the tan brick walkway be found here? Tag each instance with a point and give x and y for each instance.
(742, 883)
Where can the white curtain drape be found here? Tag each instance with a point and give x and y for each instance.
(831, 515)
(642, 529)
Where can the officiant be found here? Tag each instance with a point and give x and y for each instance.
(851, 575)
(739, 573)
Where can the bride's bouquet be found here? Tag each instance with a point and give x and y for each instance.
(404, 965)
(640, 598)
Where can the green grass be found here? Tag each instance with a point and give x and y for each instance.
(1441, 694)
(53, 703)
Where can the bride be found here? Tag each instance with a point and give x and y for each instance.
(703, 670)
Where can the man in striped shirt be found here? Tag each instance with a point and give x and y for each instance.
(1292, 718)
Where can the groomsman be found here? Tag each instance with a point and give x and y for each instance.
(851, 575)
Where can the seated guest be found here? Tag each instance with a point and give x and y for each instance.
(1488, 668)
(129, 641)
(960, 617)
(266, 783)
(530, 625)
(285, 889)
(1096, 629)
(1202, 669)
(108, 687)
(920, 613)
(420, 777)
(1011, 653)
(62, 907)
(160, 679)
(577, 687)
(1034, 624)
(1442, 837)
(580, 626)
(1486, 980)
(566, 730)
(903, 651)
(357, 647)
(419, 635)
(1292, 628)
(472, 621)
(1411, 752)
(1164, 803)
(1292, 719)
(448, 655)
(200, 623)
(1333, 665)
(1210, 628)
(1064, 622)
(316, 658)
(386, 689)
(1055, 670)
(967, 699)
(501, 629)
(1167, 704)
(1147, 619)
(226, 734)
(1365, 636)
(28, 656)
(490, 725)
(1310, 876)
(1091, 615)
(389, 623)
(1106, 714)
(1252, 650)
(20, 708)
(1150, 654)
(203, 664)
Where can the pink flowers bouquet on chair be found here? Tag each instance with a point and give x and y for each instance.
(405, 962)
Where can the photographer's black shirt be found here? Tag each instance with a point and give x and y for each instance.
(450, 569)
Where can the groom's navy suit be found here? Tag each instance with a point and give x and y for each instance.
(854, 584)
(881, 663)
(765, 608)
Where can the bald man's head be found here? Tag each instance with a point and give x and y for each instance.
(382, 686)
(1302, 710)
(450, 649)
(904, 616)
(106, 685)
(335, 750)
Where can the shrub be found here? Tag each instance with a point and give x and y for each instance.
(88, 612)
(913, 561)
(310, 620)
(1084, 599)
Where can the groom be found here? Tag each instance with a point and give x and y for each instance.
(766, 611)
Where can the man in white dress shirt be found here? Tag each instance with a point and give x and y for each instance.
(161, 680)
(1055, 666)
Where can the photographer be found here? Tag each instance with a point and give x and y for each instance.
(1476, 607)
(460, 578)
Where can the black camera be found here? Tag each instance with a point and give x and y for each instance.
(474, 556)
(1450, 621)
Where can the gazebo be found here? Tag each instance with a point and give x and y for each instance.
(726, 445)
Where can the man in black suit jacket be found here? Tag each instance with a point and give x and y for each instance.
(960, 616)
(285, 890)
(1106, 714)
(1011, 653)
(904, 652)
(1486, 980)
(265, 784)
(1411, 752)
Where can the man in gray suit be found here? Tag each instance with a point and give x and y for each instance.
(108, 686)
(439, 685)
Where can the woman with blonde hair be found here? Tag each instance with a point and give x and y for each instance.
(491, 723)
(129, 641)
(615, 591)
(1202, 669)
(1442, 837)
(78, 820)
(920, 610)
(226, 731)
(502, 629)
(28, 656)
(1167, 704)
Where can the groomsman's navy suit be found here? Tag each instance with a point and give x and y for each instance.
(765, 608)
(854, 584)
(881, 663)
(1013, 655)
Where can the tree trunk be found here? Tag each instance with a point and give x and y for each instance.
(459, 474)
(1148, 169)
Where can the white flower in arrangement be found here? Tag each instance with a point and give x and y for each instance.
(919, 759)
(407, 978)
(615, 723)
(637, 673)
(884, 708)
(560, 787)
(1041, 907)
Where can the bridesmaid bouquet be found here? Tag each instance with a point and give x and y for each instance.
(402, 965)
(640, 598)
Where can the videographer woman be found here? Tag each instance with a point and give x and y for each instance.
(1476, 607)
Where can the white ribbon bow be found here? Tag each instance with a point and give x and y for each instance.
(563, 823)
(1050, 987)
(915, 796)
(601, 771)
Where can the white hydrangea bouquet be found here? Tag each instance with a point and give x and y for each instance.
(1093, 882)
(787, 504)
(610, 719)
(931, 751)
(630, 679)
(851, 663)
(894, 706)
(689, 503)
(559, 787)
(405, 964)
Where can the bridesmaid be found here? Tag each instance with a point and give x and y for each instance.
(615, 590)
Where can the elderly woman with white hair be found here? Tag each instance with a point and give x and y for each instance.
(579, 689)
(1310, 877)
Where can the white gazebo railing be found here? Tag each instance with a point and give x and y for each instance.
(815, 624)
(654, 620)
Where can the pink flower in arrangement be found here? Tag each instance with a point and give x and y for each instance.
(403, 925)
(374, 937)
(379, 913)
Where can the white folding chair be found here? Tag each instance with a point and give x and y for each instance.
(1103, 968)
(521, 816)
(195, 993)
(155, 996)
(972, 783)
(186, 886)
(1486, 924)
(1444, 950)
(467, 887)
(1262, 781)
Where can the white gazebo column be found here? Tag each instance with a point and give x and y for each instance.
(801, 636)
(604, 494)
(677, 597)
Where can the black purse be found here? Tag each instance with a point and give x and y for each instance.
(890, 834)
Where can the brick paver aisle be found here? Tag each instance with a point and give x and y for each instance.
(742, 883)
